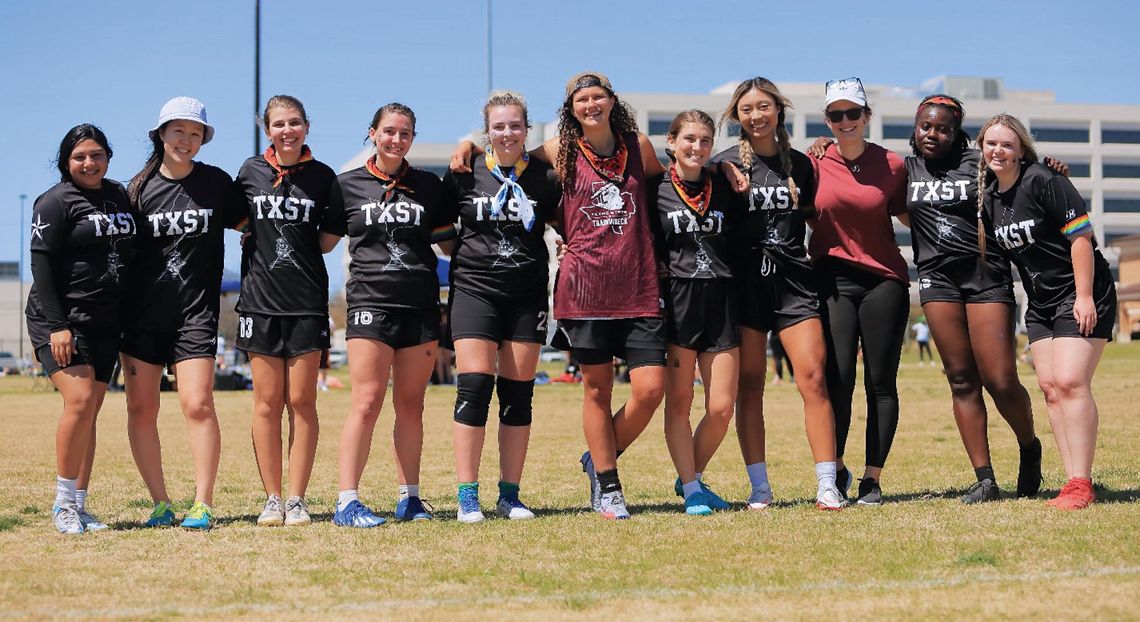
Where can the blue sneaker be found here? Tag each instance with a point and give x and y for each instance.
(715, 500)
(356, 514)
(595, 488)
(412, 508)
(161, 516)
(469, 511)
(698, 504)
(200, 517)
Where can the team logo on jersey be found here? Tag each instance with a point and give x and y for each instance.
(183, 219)
(924, 283)
(174, 265)
(609, 207)
(703, 261)
(284, 254)
(114, 263)
(935, 191)
(945, 229)
(38, 227)
(504, 252)
(395, 252)
(1015, 235)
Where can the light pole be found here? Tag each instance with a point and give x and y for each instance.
(20, 268)
(256, 74)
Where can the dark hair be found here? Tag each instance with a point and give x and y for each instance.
(952, 105)
(283, 101)
(74, 136)
(138, 182)
(622, 122)
(392, 108)
(744, 145)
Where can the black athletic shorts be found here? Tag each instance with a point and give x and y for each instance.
(97, 350)
(397, 328)
(965, 281)
(774, 298)
(1058, 321)
(282, 336)
(701, 314)
(167, 348)
(640, 341)
(506, 319)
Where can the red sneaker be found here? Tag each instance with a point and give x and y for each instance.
(1076, 494)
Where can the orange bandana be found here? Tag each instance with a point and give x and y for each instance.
(699, 203)
(611, 167)
(283, 172)
(392, 182)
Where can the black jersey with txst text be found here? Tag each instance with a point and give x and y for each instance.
(393, 264)
(497, 255)
(176, 278)
(692, 245)
(282, 269)
(1034, 222)
(89, 238)
(770, 219)
(942, 198)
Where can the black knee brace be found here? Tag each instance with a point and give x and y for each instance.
(515, 397)
(473, 399)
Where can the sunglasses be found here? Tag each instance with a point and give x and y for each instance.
(852, 114)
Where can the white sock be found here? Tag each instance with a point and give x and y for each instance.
(345, 497)
(80, 499)
(690, 488)
(700, 477)
(64, 491)
(408, 490)
(825, 474)
(758, 477)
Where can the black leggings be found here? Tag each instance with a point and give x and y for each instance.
(862, 307)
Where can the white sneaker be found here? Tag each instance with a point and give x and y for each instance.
(828, 498)
(760, 499)
(66, 519)
(272, 515)
(612, 506)
(296, 512)
(90, 523)
(513, 509)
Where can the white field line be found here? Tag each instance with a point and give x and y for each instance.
(590, 595)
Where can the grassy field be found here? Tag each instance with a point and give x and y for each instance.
(922, 553)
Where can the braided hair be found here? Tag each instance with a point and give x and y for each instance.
(1029, 154)
(783, 140)
(622, 122)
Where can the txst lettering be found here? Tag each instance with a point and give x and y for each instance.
(939, 190)
(399, 212)
(1015, 235)
(775, 197)
(181, 222)
(483, 205)
(269, 206)
(114, 224)
(685, 220)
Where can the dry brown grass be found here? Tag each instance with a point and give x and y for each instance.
(921, 554)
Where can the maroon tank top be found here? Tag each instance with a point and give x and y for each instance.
(609, 269)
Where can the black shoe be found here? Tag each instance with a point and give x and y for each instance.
(1029, 470)
(869, 492)
(843, 482)
(981, 491)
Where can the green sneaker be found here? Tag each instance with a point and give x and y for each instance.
(161, 516)
(200, 516)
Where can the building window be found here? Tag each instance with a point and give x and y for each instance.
(1048, 134)
(815, 129)
(972, 131)
(1079, 169)
(1120, 205)
(659, 127)
(895, 129)
(1121, 136)
(1128, 170)
(732, 129)
(9, 270)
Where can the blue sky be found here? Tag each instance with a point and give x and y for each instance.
(115, 63)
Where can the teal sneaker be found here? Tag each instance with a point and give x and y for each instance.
(161, 516)
(200, 516)
(715, 500)
(698, 504)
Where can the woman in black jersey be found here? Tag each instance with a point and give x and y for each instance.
(283, 319)
(172, 317)
(968, 301)
(390, 211)
(1038, 218)
(498, 300)
(777, 284)
(83, 232)
(692, 209)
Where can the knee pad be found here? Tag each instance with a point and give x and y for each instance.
(515, 397)
(473, 399)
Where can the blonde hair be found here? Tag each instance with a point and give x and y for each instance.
(504, 98)
(783, 140)
(1029, 154)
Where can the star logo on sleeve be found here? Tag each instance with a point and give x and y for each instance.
(38, 227)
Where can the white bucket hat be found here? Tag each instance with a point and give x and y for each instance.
(847, 89)
(186, 108)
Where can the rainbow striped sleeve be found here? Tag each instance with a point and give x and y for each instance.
(442, 233)
(1077, 226)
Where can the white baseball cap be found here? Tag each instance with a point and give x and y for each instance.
(185, 108)
(848, 89)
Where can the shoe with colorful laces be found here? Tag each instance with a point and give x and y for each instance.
(161, 516)
(469, 511)
(200, 517)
